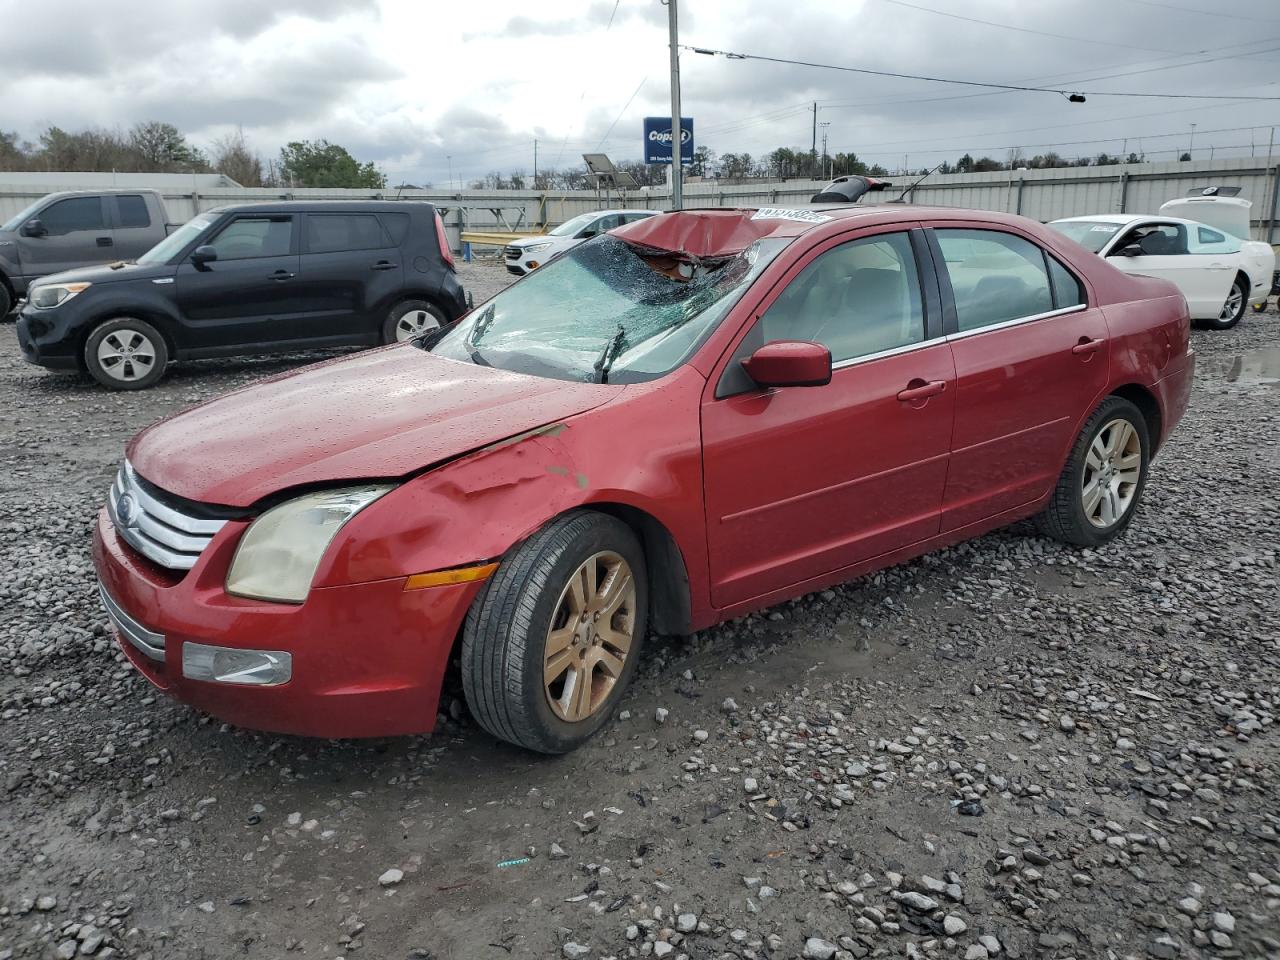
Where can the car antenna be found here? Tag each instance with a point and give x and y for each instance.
(902, 197)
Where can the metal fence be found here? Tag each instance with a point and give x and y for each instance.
(1039, 194)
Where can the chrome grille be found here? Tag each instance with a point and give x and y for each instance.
(157, 530)
(513, 253)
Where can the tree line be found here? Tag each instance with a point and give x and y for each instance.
(157, 147)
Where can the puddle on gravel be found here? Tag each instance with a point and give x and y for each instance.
(1256, 368)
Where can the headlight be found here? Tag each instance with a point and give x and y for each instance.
(53, 294)
(536, 246)
(279, 553)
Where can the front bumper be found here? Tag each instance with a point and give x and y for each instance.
(46, 339)
(367, 659)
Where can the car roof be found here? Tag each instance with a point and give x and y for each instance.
(723, 232)
(325, 206)
(1103, 218)
(1128, 218)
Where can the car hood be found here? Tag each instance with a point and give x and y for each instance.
(542, 238)
(380, 414)
(110, 273)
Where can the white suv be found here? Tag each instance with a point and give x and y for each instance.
(525, 256)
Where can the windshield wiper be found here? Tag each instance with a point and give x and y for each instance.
(609, 354)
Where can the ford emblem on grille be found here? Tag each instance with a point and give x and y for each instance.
(125, 506)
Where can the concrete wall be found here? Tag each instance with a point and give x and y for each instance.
(1039, 194)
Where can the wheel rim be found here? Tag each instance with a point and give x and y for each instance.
(589, 637)
(1112, 470)
(414, 324)
(1234, 301)
(126, 355)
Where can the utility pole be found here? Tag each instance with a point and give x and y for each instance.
(449, 157)
(535, 164)
(1192, 145)
(813, 151)
(677, 186)
(825, 124)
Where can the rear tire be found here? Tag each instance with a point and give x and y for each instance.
(544, 662)
(1101, 485)
(411, 318)
(1234, 307)
(126, 354)
(6, 301)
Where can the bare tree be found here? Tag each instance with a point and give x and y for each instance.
(233, 158)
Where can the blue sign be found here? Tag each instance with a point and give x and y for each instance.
(657, 140)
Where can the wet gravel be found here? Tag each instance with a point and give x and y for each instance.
(1009, 748)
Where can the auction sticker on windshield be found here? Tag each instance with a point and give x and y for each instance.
(783, 213)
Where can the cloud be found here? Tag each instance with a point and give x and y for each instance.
(410, 85)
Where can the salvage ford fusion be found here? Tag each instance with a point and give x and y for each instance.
(690, 418)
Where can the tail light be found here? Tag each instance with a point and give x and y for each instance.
(443, 241)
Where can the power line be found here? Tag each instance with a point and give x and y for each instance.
(1204, 13)
(966, 83)
(1041, 33)
(620, 113)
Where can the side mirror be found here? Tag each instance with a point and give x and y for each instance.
(586, 234)
(34, 228)
(1132, 250)
(203, 254)
(790, 363)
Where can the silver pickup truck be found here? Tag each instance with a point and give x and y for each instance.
(77, 229)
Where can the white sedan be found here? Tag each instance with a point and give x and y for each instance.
(526, 255)
(1217, 272)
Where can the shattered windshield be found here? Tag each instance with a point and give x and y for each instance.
(606, 307)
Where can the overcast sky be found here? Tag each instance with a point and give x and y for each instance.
(410, 83)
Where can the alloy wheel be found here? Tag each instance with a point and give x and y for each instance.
(126, 355)
(590, 636)
(1112, 470)
(414, 324)
(1234, 300)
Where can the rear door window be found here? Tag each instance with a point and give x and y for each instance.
(396, 225)
(251, 238)
(1068, 291)
(73, 215)
(334, 232)
(131, 211)
(995, 277)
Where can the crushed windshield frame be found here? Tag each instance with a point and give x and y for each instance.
(656, 320)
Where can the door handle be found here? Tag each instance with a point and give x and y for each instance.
(105, 242)
(281, 275)
(919, 389)
(1087, 346)
(385, 265)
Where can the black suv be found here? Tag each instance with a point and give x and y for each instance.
(249, 280)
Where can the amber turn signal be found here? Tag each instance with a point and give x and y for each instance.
(443, 578)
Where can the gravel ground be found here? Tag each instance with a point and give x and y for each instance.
(1007, 749)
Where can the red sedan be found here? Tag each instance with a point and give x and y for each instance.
(687, 419)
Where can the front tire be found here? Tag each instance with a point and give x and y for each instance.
(411, 318)
(552, 641)
(1101, 485)
(126, 354)
(1234, 307)
(6, 301)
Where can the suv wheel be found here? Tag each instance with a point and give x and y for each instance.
(6, 301)
(126, 354)
(411, 318)
(1101, 484)
(552, 641)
